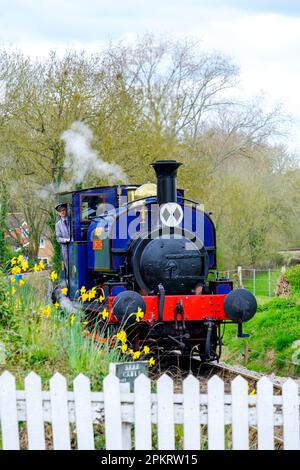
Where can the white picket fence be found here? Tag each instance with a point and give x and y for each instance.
(202, 416)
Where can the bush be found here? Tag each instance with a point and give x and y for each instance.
(284, 340)
(293, 277)
(6, 306)
(277, 260)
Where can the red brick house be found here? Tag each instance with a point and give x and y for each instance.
(18, 238)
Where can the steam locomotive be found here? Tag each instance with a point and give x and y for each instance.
(147, 248)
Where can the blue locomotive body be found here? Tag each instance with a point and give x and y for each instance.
(148, 248)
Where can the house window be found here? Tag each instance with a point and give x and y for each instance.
(42, 243)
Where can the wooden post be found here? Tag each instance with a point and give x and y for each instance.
(246, 353)
(239, 271)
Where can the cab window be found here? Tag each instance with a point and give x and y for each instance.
(88, 207)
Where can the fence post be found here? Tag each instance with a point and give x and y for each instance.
(254, 281)
(269, 281)
(239, 271)
(283, 269)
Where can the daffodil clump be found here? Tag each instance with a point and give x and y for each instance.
(121, 337)
(20, 265)
(89, 295)
(38, 267)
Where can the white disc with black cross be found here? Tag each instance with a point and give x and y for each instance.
(171, 214)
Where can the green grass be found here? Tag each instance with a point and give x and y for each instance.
(48, 342)
(261, 282)
(272, 330)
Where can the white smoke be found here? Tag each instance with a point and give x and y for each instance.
(82, 160)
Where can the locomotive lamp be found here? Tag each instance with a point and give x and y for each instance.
(240, 306)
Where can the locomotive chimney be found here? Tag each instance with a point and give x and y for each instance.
(166, 171)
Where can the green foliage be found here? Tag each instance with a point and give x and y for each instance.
(6, 304)
(56, 259)
(38, 337)
(3, 221)
(272, 331)
(284, 340)
(293, 277)
(157, 98)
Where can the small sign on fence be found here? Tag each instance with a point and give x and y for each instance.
(127, 372)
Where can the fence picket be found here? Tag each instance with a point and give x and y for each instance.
(142, 413)
(165, 413)
(112, 407)
(265, 414)
(83, 412)
(8, 409)
(240, 426)
(216, 433)
(59, 412)
(290, 410)
(34, 412)
(191, 413)
(121, 410)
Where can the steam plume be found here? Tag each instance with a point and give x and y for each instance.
(81, 159)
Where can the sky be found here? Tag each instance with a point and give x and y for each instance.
(262, 37)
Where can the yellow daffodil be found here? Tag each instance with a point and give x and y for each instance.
(72, 319)
(124, 348)
(64, 290)
(139, 314)
(24, 265)
(85, 323)
(151, 362)
(21, 282)
(12, 280)
(53, 276)
(56, 305)
(91, 294)
(146, 350)
(16, 270)
(130, 351)
(104, 314)
(41, 265)
(122, 336)
(13, 261)
(36, 268)
(84, 297)
(136, 355)
(83, 290)
(101, 298)
(13, 290)
(46, 311)
(20, 259)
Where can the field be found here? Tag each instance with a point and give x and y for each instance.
(261, 285)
